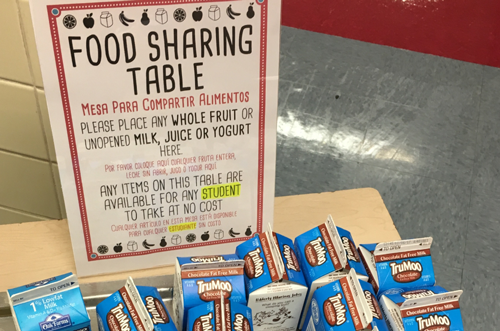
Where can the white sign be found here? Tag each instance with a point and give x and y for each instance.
(164, 120)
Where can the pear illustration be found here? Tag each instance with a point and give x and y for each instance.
(145, 18)
(248, 232)
(163, 242)
(250, 12)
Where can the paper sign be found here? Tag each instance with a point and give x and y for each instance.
(164, 121)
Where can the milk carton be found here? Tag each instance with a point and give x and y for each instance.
(422, 309)
(339, 306)
(49, 305)
(134, 308)
(399, 264)
(378, 323)
(275, 284)
(322, 258)
(202, 279)
(352, 256)
(220, 315)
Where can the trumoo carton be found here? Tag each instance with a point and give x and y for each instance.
(202, 279)
(275, 284)
(422, 309)
(378, 323)
(49, 305)
(399, 264)
(220, 315)
(322, 258)
(339, 306)
(134, 308)
(352, 256)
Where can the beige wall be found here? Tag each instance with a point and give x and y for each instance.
(29, 181)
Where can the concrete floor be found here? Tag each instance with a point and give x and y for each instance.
(423, 130)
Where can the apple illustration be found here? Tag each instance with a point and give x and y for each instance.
(88, 21)
(205, 236)
(118, 248)
(197, 14)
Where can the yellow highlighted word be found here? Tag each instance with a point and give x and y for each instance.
(221, 191)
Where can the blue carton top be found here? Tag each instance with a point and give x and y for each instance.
(373, 304)
(220, 315)
(320, 251)
(269, 257)
(49, 305)
(353, 259)
(207, 259)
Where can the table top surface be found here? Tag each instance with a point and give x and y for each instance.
(33, 251)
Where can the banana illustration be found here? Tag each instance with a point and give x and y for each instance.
(231, 13)
(146, 245)
(232, 233)
(125, 21)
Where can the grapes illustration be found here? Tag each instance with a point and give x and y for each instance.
(179, 15)
(103, 249)
(190, 237)
(69, 21)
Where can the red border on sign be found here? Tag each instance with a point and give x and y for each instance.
(92, 256)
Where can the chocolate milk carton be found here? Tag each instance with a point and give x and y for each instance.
(220, 315)
(422, 309)
(275, 284)
(322, 258)
(399, 264)
(378, 323)
(49, 305)
(202, 279)
(339, 306)
(134, 308)
(352, 255)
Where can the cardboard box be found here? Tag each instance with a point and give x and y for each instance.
(134, 308)
(201, 279)
(352, 255)
(399, 264)
(275, 284)
(378, 322)
(339, 306)
(322, 258)
(49, 305)
(220, 315)
(422, 309)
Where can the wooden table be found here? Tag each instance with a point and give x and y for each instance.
(33, 251)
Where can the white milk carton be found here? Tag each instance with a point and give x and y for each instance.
(275, 284)
(422, 309)
(202, 279)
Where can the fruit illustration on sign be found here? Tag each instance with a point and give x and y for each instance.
(145, 19)
(179, 15)
(161, 16)
(218, 234)
(103, 249)
(250, 12)
(163, 242)
(69, 21)
(146, 245)
(232, 233)
(190, 237)
(197, 14)
(231, 13)
(132, 246)
(176, 239)
(88, 21)
(214, 12)
(248, 232)
(125, 20)
(205, 236)
(118, 248)
(106, 19)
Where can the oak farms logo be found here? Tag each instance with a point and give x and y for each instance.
(373, 304)
(415, 294)
(156, 310)
(406, 271)
(254, 264)
(291, 261)
(208, 259)
(241, 323)
(315, 253)
(350, 249)
(433, 323)
(117, 319)
(203, 323)
(212, 290)
(334, 310)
